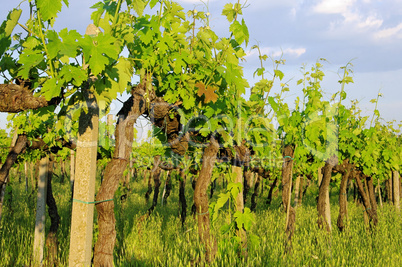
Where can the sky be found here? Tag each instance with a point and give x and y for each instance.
(367, 33)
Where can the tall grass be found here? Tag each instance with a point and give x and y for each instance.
(162, 241)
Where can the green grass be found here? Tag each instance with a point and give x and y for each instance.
(162, 241)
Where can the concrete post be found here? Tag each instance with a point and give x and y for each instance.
(85, 174)
(84, 188)
(40, 223)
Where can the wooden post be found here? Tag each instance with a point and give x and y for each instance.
(240, 207)
(396, 190)
(297, 191)
(39, 238)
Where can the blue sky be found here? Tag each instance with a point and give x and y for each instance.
(366, 32)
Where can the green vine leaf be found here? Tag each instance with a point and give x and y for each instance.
(12, 21)
(50, 89)
(240, 31)
(49, 8)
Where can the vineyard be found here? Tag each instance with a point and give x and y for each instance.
(231, 174)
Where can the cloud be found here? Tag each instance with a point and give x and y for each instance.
(333, 6)
(393, 32)
(351, 18)
(265, 4)
(276, 52)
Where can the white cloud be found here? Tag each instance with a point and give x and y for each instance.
(355, 18)
(267, 4)
(277, 52)
(333, 6)
(390, 32)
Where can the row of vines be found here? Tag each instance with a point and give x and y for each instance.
(59, 85)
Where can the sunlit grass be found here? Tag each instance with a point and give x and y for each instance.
(162, 241)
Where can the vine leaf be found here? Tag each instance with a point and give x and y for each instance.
(49, 8)
(51, 89)
(14, 16)
(208, 92)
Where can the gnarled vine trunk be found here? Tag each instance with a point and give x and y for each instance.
(323, 207)
(343, 198)
(51, 239)
(201, 199)
(287, 172)
(124, 134)
(255, 193)
(182, 197)
(366, 201)
(156, 175)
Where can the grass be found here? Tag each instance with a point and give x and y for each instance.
(162, 241)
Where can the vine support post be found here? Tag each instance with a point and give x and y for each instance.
(40, 222)
(396, 190)
(84, 186)
(297, 191)
(72, 170)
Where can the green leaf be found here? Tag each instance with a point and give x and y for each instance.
(221, 201)
(12, 21)
(152, 3)
(343, 95)
(99, 49)
(48, 8)
(54, 43)
(240, 31)
(139, 6)
(229, 12)
(279, 74)
(29, 59)
(73, 74)
(50, 89)
(273, 104)
(70, 42)
(244, 220)
(5, 42)
(7, 28)
(31, 42)
(125, 72)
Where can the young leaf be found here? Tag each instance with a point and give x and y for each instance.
(48, 8)
(152, 3)
(229, 12)
(12, 21)
(139, 6)
(279, 74)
